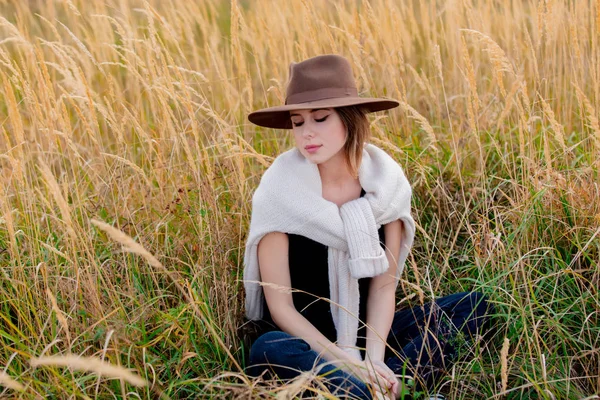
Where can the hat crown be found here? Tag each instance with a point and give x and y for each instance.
(324, 81)
(318, 75)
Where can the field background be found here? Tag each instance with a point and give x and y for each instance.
(128, 165)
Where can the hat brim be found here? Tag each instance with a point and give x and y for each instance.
(278, 117)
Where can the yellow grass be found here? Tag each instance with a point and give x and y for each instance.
(10, 383)
(504, 363)
(89, 364)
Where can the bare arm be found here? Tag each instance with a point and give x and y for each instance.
(274, 268)
(382, 294)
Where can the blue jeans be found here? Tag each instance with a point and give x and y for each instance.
(423, 341)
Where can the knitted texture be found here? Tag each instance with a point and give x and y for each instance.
(289, 199)
(367, 258)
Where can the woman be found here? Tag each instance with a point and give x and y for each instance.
(331, 220)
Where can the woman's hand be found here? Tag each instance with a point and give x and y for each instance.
(388, 374)
(383, 396)
(378, 375)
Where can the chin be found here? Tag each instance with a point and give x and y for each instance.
(313, 159)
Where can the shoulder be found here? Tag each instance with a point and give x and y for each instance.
(291, 241)
(277, 176)
(376, 152)
(274, 239)
(272, 249)
(393, 226)
(376, 160)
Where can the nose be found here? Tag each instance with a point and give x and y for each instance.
(307, 132)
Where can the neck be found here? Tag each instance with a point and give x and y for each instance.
(335, 171)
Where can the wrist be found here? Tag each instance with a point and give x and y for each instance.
(375, 357)
(375, 350)
(337, 356)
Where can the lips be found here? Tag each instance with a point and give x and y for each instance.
(312, 146)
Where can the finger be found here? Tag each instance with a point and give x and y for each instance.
(379, 376)
(381, 366)
(384, 367)
(395, 388)
(372, 377)
(384, 394)
(379, 395)
(387, 373)
(379, 379)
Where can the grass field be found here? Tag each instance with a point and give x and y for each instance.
(128, 165)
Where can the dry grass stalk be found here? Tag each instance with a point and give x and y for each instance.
(15, 35)
(292, 389)
(423, 124)
(559, 133)
(598, 17)
(309, 17)
(591, 115)
(509, 100)
(8, 382)
(437, 61)
(575, 39)
(72, 7)
(547, 157)
(8, 221)
(237, 29)
(526, 102)
(128, 243)
(504, 363)
(500, 61)
(58, 197)
(14, 114)
(59, 315)
(90, 364)
(274, 286)
(532, 51)
(265, 161)
(79, 44)
(470, 74)
(129, 164)
(422, 81)
(541, 19)
(471, 116)
(417, 285)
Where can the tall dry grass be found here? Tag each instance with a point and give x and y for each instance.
(133, 113)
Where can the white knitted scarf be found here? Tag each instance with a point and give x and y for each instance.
(289, 199)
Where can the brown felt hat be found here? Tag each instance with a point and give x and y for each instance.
(320, 82)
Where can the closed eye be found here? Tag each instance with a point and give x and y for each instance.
(318, 120)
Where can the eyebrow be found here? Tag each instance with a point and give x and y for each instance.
(312, 111)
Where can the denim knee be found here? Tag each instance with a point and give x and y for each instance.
(277, 348)
(480, 304)
(485, 302)
(476, 310)
(484, 310)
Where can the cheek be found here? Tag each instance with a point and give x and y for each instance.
(339, 134)
(297, 136)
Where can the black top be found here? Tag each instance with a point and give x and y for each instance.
(309, 272)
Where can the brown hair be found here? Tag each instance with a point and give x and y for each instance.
(356, 122)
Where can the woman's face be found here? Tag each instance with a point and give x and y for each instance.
(319, 133)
